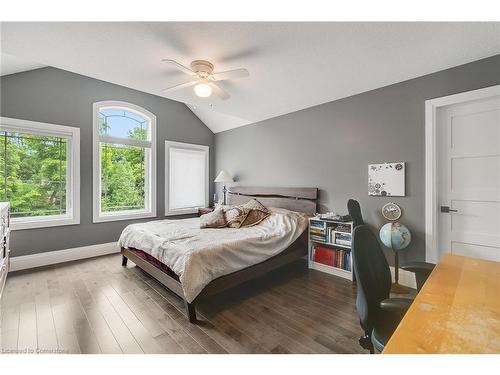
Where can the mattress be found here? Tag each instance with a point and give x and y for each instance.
(198, 256)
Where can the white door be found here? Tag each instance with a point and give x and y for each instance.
(469, 179)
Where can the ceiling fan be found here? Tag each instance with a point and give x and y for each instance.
(204, 79)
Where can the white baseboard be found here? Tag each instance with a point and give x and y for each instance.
(60, 256)
(406, 278)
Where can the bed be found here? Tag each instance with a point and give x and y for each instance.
(196, 263)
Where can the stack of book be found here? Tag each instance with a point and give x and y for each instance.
(328, 232)
(318, 231)
(343, 238)
(331, 234)
(333, 257)
(342, 259)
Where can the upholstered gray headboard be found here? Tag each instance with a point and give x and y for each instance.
(295, 199)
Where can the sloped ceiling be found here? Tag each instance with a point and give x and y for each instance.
(292, 65)
(11, 64)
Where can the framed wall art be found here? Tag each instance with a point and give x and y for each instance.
(387, 179)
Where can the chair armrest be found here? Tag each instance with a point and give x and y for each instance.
(397, 306)
(422, 270)
(418, 267)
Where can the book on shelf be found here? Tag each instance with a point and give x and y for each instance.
(342, 238)
(323, 255)
(317, 223)
(343, 243)
(317, 228)
(317, 231)
(332, 257)
(346, 228)
(318, 238)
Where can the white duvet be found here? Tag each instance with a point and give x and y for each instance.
(199, 256)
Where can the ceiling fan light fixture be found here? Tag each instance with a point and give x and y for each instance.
(204, 79)
(203, 90)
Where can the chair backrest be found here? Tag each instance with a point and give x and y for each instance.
(355, 212)
(373, 276)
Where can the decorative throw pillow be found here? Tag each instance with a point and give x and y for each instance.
(258, 212)
(214, 219)
(236, 215)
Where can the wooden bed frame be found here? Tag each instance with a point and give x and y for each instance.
(296, 199)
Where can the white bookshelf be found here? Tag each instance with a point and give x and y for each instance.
(312, 242)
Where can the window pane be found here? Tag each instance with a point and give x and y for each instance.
(124, 124)
(33, 174)
(187, 181)
(122, 177)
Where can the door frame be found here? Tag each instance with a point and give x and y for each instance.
(432, 253)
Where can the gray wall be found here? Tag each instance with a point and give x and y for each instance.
(330, 146)
(60, 97)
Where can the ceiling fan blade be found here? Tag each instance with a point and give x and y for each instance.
(230, 74)
(180, 86)
(181, 67)
(217, 90)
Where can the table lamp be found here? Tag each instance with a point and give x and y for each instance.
(224, 177)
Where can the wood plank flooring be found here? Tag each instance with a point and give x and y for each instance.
(98, 306)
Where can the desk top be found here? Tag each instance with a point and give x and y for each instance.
(456, 311)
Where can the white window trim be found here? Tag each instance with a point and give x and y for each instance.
(72, 134)
(150, 178)
(187, 146)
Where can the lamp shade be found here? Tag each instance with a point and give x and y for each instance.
(223, 176)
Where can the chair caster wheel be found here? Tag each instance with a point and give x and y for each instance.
(366, 343)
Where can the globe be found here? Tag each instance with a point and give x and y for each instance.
(395, 236)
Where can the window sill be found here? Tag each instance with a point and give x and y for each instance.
(21, 224)
(186, 211)
(103, 218)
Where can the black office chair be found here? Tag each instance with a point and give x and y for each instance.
(378, 314)
(355, 212)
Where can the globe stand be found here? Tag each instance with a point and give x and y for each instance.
(396, 287)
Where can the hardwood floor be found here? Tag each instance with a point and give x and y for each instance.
(98, 306)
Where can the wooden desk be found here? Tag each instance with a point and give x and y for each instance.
(457, 311)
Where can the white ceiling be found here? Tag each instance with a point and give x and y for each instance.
(292, 65)
(12, 64)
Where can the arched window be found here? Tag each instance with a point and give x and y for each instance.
(124, 156)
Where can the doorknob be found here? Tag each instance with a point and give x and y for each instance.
(447, 209)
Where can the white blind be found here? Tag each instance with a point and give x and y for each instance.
(187, 178)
